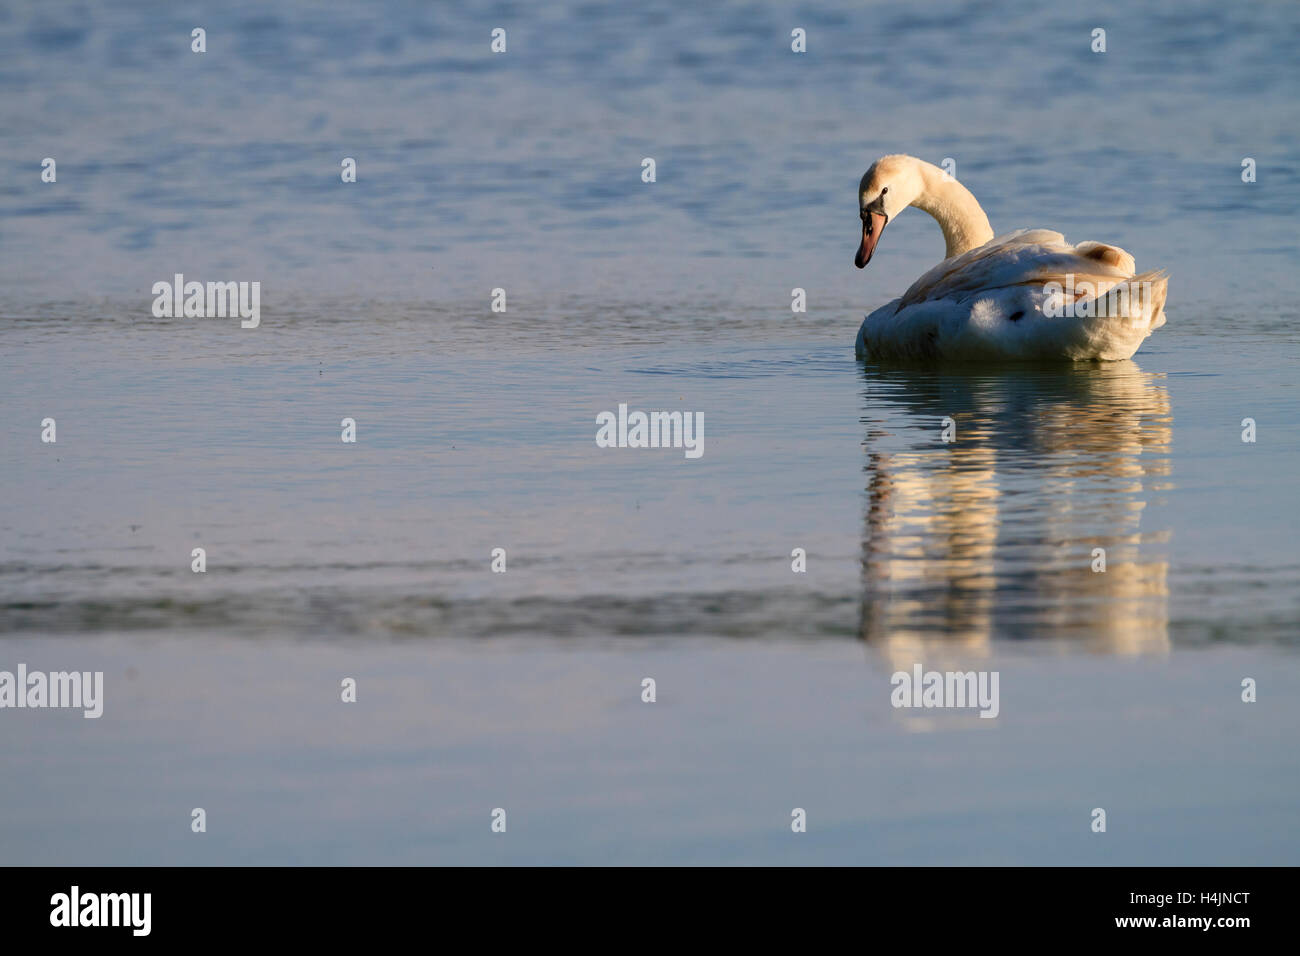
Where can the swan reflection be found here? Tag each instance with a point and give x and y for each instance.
(996, 533)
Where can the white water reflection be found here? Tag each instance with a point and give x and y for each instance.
(995, 534)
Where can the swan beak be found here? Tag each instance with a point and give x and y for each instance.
(872, 227)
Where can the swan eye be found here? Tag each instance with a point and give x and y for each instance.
(885, 190)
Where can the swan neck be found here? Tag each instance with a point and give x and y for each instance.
(959, 215)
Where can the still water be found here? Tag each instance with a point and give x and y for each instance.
(1119, 689)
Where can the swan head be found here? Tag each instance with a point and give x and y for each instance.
(887, 188)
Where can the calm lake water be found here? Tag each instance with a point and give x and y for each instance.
(475, 431)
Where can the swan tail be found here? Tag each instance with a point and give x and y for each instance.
(1139, 300)
(1157, 281)
(1113, 323)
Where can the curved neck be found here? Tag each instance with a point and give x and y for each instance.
(963, 222)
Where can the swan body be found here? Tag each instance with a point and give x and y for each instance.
(1024, 295)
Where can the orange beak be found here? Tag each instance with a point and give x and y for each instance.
(872, 227)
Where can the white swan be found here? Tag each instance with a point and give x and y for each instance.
(1025, 295)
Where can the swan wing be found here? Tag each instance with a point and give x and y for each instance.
(1028, 256)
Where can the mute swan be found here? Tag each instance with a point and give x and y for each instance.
(1025, 295)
